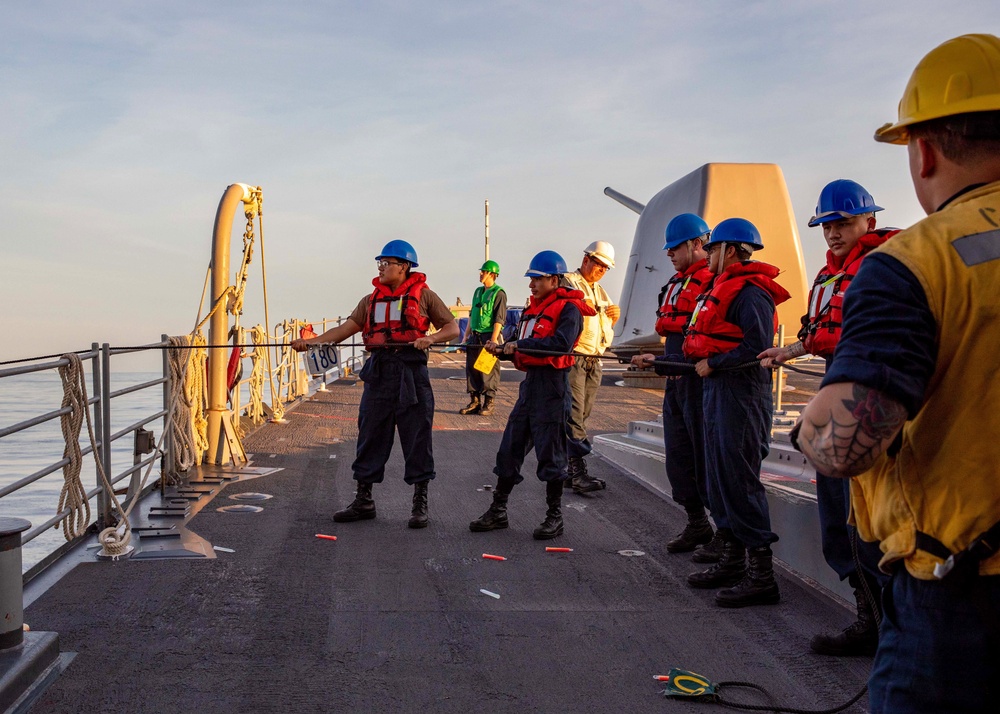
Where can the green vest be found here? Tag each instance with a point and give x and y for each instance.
(481, 316)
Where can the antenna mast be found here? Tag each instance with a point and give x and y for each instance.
(487, 229)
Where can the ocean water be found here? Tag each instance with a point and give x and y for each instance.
(26, 452)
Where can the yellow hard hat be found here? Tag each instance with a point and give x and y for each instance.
(960, 76)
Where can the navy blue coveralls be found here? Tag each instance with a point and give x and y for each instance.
(737, 407)
(544, 401)
(683, 430)
(397, 395)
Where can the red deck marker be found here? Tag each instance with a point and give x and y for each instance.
(493, 557)
(661, 677)
(326, 537)
(558, 550)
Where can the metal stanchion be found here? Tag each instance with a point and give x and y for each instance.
(779, 374)
(11, 589)
(780, 418)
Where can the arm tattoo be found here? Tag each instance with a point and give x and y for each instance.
(852, 439)
(796, 349)
(879, 417)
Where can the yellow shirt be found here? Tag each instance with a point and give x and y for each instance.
(598, 330)
(945, 480)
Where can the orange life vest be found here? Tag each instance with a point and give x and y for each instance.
(394, 315)
(678, 297)
(708, 333)
(820, 331)
(539, 320)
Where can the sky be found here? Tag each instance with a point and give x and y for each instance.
(122, 124)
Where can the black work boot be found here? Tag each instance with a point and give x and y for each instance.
(472, 407)
(583, 482)
(697, 531)
(487, 407)
(418, 517)
(758, 586)
(495, 517)
(552, 526)
(730, 569)
(861, 636)
(361, 508)
(712, 551)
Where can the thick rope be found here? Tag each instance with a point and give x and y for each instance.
(283, 367)
(800, 370)
(73, 494)
(182, 438)
(277, 408)
(255, 408)
(194, 380)
(75, 393)
(195, 387)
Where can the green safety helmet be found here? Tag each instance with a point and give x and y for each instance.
(491, 266)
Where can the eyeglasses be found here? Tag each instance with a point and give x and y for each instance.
(597, 264)
(387, 263)
(709, 249)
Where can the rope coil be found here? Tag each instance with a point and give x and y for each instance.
(73, 495)
(182, 436)
(255, 409)
(114, 541)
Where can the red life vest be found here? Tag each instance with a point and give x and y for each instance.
(821, 325)
(678, 297)
(539, 320)
(306, 331)
(709, 334)
(394, 315)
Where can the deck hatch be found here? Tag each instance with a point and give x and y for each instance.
(250, 496)
(240, 508)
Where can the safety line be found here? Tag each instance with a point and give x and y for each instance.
(687, 366)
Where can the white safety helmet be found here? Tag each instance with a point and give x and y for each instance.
(602, 251)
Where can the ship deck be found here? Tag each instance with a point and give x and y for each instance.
(391, 619)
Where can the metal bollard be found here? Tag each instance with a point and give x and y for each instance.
(11, 582)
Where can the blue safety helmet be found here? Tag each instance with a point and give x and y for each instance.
(548, 262)
(842, 198)
(736, 230)
(682, 228)
(399, 249)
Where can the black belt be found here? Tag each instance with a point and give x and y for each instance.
(983, 546)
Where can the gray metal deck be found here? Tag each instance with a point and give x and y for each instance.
(389, 619)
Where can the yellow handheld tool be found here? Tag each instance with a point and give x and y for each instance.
(485, 361)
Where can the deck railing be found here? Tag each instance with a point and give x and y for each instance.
(101, 402)
(291, 382)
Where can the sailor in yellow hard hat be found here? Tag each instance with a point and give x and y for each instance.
(911, 404)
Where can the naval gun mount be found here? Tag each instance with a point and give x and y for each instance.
(715, 192)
